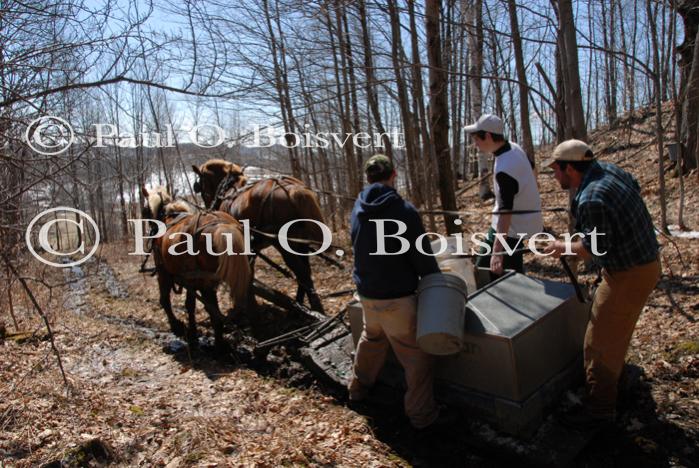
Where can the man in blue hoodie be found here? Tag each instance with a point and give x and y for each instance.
(387, 269)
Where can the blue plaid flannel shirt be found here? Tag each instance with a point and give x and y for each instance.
(609, 199)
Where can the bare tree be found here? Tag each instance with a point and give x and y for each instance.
(689, 84)
(568, 50)
(610, 67)
(474, 25)
(527, 141)
(370, 79)
(408, 118)
(277, 49)
(439, 113)
(658, 115)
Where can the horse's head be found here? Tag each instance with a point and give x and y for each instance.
(155, 201)
(216, 173)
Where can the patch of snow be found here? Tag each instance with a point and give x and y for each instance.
(675, 232)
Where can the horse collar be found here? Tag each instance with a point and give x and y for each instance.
(221, 190)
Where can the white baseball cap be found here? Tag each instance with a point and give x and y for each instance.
(487, 123)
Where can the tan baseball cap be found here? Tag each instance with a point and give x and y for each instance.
(570, 150)
(487, 123)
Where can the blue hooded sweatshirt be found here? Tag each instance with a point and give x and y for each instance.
(387, 276)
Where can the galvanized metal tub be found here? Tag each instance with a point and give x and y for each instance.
(440, 313)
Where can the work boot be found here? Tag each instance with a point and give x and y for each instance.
(357, 392)
(446, 418)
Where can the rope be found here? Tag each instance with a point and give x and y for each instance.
(458, 213)
(292, 239)
(499, 212)
(503, 253)
(336, 195)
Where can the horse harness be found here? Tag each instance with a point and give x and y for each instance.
(231, 193)
(223, 188)
(195, 228)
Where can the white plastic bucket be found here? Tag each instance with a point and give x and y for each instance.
(463, 268)
(451, 248)
(440, 313)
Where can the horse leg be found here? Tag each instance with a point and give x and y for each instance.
(300, 293)
(313, 298)
(165, 285)
(247, 306)
(250, 302)
(301, 266)
(294, 263)
(211, 305)
(191, 305)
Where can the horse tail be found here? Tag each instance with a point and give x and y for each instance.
(234, 270)
(307, 206)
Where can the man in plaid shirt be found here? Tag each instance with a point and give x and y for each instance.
(608, 203)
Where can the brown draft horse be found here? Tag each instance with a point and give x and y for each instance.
(268, 204)
(198, 270)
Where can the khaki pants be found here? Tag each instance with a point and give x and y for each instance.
(617, 305)
(393, 322)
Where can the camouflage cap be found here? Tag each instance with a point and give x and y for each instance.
(378, 164)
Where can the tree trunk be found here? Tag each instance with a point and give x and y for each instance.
(606, 57)
(457, 96)
(634, 31)
(613, 75)
(669, 69)
(470, 169)
(527, 141)
(370, 86)
(282, 90)
(474, 25)
(658, 115)
(427, 162)
(557, 98)
(120, 174)
(439, 113)
(689, 82)
(662, 34)
(575, 117)
(497, 58)
(355, 181)
(408, 118)
(627, 91)
(290, 125)
(353, 96)
(592, 60)
(678, 144)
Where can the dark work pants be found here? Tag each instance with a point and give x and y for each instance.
(510, 262)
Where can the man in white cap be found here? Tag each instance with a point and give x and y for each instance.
(515, 190)
(616, 232)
